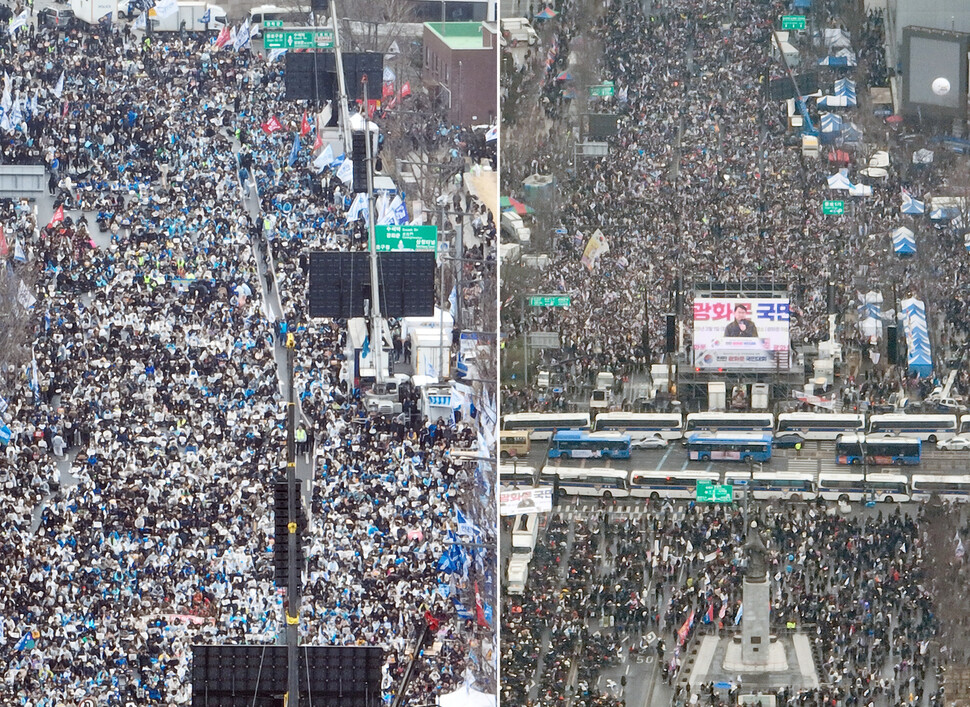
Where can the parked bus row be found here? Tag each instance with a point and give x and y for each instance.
(791, 486)
(809, 426)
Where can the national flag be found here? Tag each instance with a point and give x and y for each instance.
(18, 22)
(737, 617)
(207, 17)
(57, 217)
(25, 297)
(723, 612)
(165, 8)
(305, 126)
(406, 89)
(294, 151)
(272, 125)
(242, 37)
(223, 38)
(685, 629)
(492, 134)
(345, 173)
(709, 614)
(357, 207)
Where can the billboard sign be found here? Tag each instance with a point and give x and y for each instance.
(512, 502)
(741, 333)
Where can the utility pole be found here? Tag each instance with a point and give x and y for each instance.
(377, 327)
(342, 83)
(293, 584)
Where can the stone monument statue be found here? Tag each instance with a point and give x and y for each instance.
(756, 553)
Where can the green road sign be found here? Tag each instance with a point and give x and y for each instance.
(604, 90)
(714, 493)
(796, 22)
(833, 208)
(302, 39)
(389, 238)
(272, 24)
(550, 300)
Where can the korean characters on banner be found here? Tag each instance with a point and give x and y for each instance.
(741, 333)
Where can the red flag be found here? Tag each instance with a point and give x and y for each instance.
(318, 142)
(272, 125)
(304, 126)
(223, 37)
(4, 249)
(372, 105)
(58, 216)
(433, 623)
(479, 609)
(388, 89)
(406, 89)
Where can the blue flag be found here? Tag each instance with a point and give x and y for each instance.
(295, 151)
(206, 17)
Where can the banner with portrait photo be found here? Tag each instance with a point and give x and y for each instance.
(741, 333)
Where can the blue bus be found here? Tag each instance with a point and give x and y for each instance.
(877, 450)
(576, 444)
(729, 446)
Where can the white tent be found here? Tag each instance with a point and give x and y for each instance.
(836, 38)
(860, 190)
(877, 172)
(923, 156)
(879, 159)
(839, 181)
(467, 696)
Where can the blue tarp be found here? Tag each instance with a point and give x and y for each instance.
(802, 4)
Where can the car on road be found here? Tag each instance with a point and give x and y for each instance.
(958, 443)
(787, 441)
(62, 18)
(649, 443)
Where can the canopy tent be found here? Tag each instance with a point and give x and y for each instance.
(860, 190)
(547, 14)
(879, 159)
(917, 339)
(508, 203)
(945, 214)
(875, 172)
(870, 314)
(839, 181)
(836, 102)
(851, 133)
(564, 76)
(467, 696)
(923, 156)
(845, 87)
(844, 58)
(831, 123)
(911, 206)
(904, 242)
(840, 156)
(835, 38)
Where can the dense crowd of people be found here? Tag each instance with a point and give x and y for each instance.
(859, 593)
(149, 429)
(705, 180)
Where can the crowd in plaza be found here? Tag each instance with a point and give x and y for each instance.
(706, 181)
(858, 593)
(150, 426)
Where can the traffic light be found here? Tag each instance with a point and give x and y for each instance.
(358, 143)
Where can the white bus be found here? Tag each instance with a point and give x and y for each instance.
(641, 425)
(820, 426)
(949, 487)
(729, 422)
(540, 425)
(851, 486)
(669, 484)
(769, 485)
(516, 476)
(929, 428)
(587, 482)
(964, 424)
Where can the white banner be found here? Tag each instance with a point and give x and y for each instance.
(513, 502)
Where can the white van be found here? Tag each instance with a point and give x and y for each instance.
(518, 574)
(273, 13)
(525, 531)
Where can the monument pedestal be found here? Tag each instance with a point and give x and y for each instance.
(773, 660)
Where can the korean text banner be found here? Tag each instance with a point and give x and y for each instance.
(741, 333)
(515, 501)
